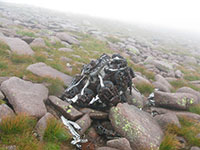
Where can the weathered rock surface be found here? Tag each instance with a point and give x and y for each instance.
(140, 129)
(65, 108)
(84, 122)
(135, 98)
(106, 148)
(1, 95)
(18, 46)
(190, 91)
(195, 148)
(166, 119)
(178, 74)
(25, 96)
(2, 79)
(41, 69)
(38, 42)
(42, 124)
(67, 38)
(94, 114)
(65, 49)
(161, 87)
(180, 101)
(5, 111)
(163, 81)
(120, 143)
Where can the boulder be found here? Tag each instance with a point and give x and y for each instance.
(120, 143)
(106, 148)
(166, 119)
(94, 114)
(161, 87)
(2, 79)
(190, 91)
(5, 111)
(42, 124)
(133, 49)
(195, 148)
(64, 49)
(67, 38)
(163, 66)
(42, 70)
(163, 81)
(38, 42)
(178, 74)
(65, 108)
(139, 79)
(54, 40)
(25, 96)
(138, 127)
(187, 115)
(84, 122)
(180, 101)
(135, 98)
(190, 60)
(1, 95)
(27, 39)
(18, 46)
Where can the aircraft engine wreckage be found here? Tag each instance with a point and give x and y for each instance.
(101, 85)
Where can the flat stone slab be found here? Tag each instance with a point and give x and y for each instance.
(25, 96)
(67, 38)
(84, 122)
(18, 46)
(65, 108)
(42, 70)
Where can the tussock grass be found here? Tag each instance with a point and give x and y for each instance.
(17, 124)
(113, 39)
(18, 59)
(181, 83)
(3, 65)
(55, 131)
(2, 102)
(195, 109)
(3, 49)
(25, 33)
(138, 68)
(51, 146)
(170, 142)
(189, 130)
(145, 88)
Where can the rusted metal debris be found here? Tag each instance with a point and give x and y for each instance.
(101, 85)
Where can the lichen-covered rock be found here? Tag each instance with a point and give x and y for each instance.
(65, 108)
(25, 96)
(84, 122)
(41, 69)
(138, 127)
(166, 119)
(135, 98)
(120, 143)
(17, 45)
(180, 101)
(189, 90)
(5, 111)
(42, 124)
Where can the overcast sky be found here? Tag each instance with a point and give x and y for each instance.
(179, 14)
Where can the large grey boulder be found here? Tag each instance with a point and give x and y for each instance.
(138, 127)
(65, 108)
(166, 119)
(67, 38)
(25, 96)
(181, 101)
(42, 70)
(38, 42)
(84, 122)
(189, 90)
(17, 45)
(161, 87)
(163, 81)
(5, 111)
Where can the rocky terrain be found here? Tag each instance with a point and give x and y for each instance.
(40, 52)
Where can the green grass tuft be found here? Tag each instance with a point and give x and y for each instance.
(195, 109)
(55, 131)
(52, 146)
(25, 33)
(16, 124)
(19, 59)
(2, 102)
(145, 88)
